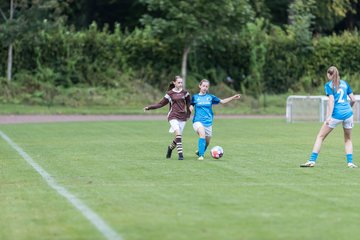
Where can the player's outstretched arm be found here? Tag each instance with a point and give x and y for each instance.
(162, 103)
(226, 100)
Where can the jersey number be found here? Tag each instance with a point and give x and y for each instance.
(341, 92)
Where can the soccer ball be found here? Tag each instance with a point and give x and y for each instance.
(217, 152)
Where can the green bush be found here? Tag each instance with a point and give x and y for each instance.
(261, 60)
(342, 51)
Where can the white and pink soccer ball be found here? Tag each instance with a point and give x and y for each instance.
(217, 152)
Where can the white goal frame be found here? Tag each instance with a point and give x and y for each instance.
(318, 112)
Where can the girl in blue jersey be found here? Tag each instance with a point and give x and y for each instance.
(203, 116)
(339, 110)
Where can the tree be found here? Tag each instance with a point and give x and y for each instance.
(329, 13)
(300, 23)
(27, 17)
(82, 13)
(257, 42)
(184, 24)
(10, 49)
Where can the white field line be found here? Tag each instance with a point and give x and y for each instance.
(95, 219)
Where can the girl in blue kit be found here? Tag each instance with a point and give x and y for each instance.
(339, 110)
(203, 116)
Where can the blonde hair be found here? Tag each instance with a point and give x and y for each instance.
(204, 80)
(334, 77)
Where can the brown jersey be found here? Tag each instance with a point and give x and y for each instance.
(179, 104)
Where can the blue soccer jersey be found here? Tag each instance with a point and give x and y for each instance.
(342, 109)
(203, 108)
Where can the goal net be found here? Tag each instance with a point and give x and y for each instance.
(312, 108)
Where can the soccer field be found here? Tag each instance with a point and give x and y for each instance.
(118, 172)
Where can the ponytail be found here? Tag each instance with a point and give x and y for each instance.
(335, 77)
(172, 84)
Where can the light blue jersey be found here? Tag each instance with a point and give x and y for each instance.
(342, 108)
(203, 108)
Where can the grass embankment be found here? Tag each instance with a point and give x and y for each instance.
(246, 105)
(129, 99)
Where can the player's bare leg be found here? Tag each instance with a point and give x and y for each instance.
(348, 148)
(323, 133)
(207, 138)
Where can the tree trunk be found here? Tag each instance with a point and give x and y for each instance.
(184, 65)
(10, 50)
(9, 65)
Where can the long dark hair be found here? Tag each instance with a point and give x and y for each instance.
(172, 83)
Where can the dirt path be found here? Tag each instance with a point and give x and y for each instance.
(11, 119)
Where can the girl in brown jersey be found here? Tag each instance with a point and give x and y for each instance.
(179, 112)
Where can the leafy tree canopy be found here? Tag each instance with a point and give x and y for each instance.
(187, 21)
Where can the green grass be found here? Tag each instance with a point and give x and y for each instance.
(256, 191)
